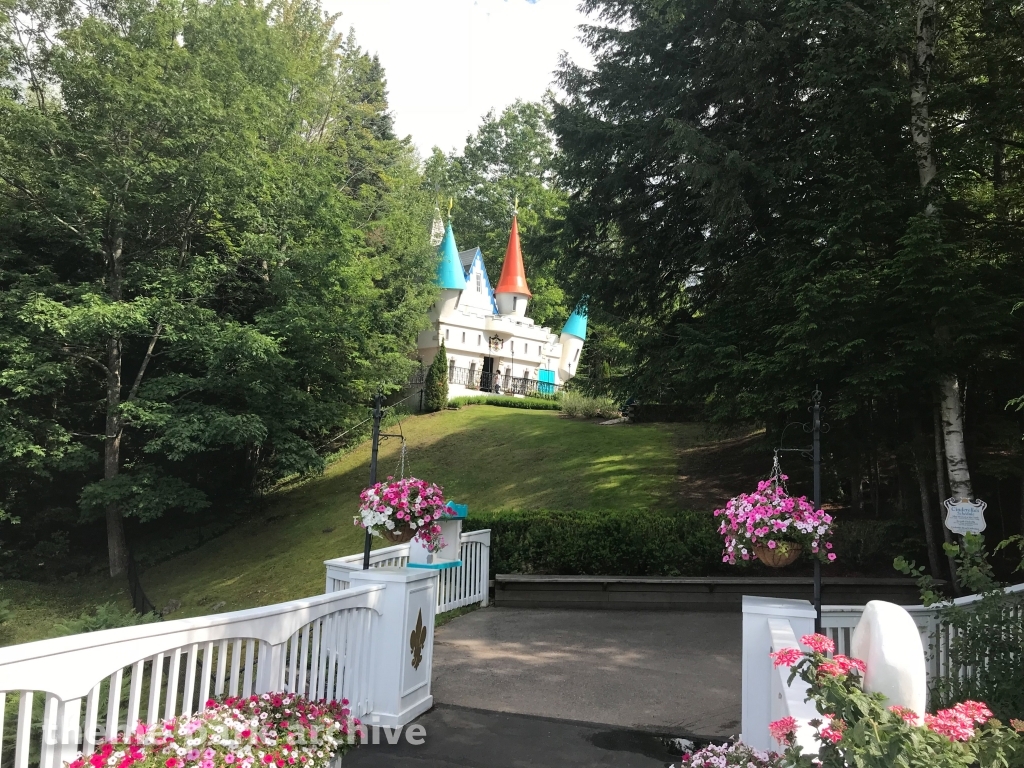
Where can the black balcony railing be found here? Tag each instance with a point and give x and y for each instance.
(498, 383)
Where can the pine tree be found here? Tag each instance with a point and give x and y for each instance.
(436, 385)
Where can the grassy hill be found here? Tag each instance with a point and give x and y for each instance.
(487, 457)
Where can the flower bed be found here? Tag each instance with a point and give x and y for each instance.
(271, 730)
(408, 506)
(861, 729)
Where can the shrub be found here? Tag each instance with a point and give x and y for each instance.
(106, 616)
(435, 388)
(580, 406)
(529, 403)
(601, 542)
(856, 728)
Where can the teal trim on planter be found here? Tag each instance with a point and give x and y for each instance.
(449, 270)
(438, 565)
(458, 511)
(576, 325)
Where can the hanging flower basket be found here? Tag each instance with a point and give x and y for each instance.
(774, 527)
(782, 555)
(403, 510)
(401, 536)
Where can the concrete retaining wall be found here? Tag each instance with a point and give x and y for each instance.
(688, 593)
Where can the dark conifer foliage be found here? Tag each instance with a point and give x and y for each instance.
(745, 200)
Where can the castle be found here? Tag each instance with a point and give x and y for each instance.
(492, 346)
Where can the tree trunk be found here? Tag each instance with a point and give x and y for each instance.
(940, 484)
(953, 438)
(920, 121)
(927, 510)
(1022, 503)
(921, 131)
(117, 546)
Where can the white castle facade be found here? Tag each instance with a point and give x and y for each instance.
(492, 346)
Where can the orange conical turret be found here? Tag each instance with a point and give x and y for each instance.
(513, 275)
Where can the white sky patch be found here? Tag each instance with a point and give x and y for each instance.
(448, 62)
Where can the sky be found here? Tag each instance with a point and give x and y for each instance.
(448, 62)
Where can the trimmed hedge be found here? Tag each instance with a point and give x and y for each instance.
(530, 403)
(655, 543)
(601, 543)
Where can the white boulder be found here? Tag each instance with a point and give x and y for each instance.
(887, 640)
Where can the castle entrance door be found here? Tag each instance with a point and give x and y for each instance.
(487, 375)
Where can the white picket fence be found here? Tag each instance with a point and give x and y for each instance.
(71, 692)
(839, 621)
(457, 587)
(772, 624)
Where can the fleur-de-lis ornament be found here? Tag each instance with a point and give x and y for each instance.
(417, 640)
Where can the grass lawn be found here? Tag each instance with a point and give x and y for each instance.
(487, 457)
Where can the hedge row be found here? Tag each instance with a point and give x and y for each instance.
(601, 543)
(530, 403)
(655, 543)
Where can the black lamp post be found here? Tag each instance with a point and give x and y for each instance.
(815, 428)
(376, 437)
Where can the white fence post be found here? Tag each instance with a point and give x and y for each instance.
(759, 689)
(403, 643)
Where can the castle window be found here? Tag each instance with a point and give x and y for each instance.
(515, 300)
(512, 346)
(576, 356)
(451, 369)
(526, 349)
(463, 337)
(447, 333)
(479, 339)
(479, 283)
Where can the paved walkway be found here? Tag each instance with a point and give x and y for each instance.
(519, 688)
(457, 737)
(670, 672)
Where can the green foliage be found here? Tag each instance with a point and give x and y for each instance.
(986, 636)
(745, 209)
(601, 542)
(529, 403)
(105, 616)
(435, 387)
(873, 736)
(579, 406)
(212, 250)
(5, 612)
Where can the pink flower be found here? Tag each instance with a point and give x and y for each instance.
(818, 643)
(846, 664)
(975, 710)
(833, 732)
(786, 657)
(905, 713)
(782, 730)
(958, 722)
(831, 556)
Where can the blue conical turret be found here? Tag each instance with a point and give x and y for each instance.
(449, 271)
(576, 325)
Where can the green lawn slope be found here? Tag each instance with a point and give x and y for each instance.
(487, 457)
